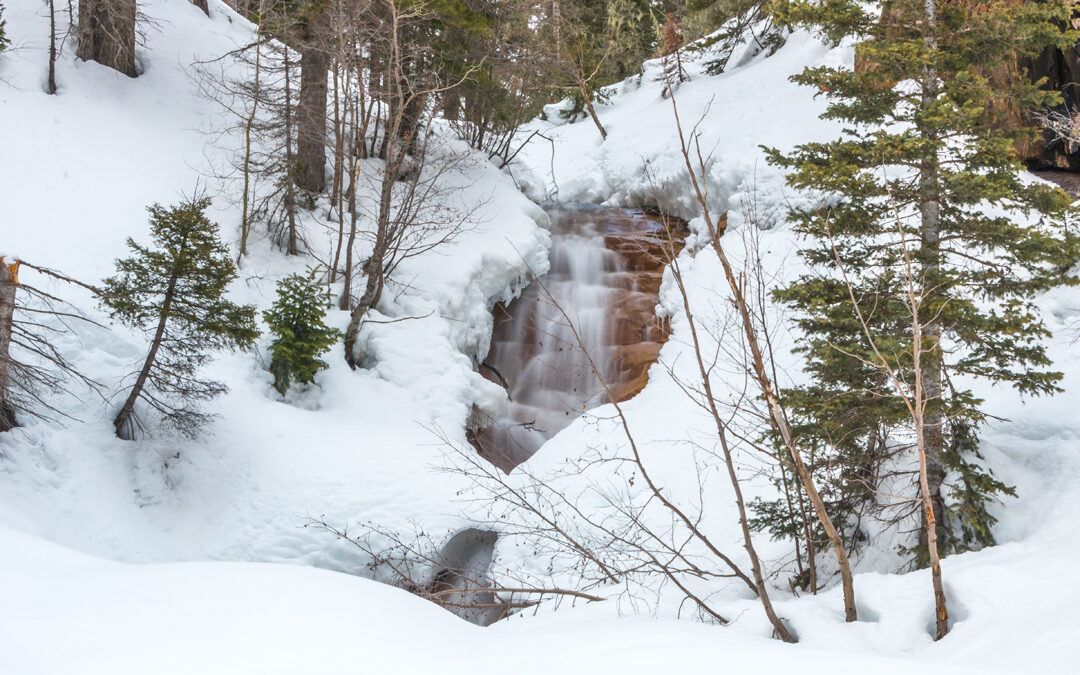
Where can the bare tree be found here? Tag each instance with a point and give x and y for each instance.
(31, 365)
(458, 574)
(696, 166)
(9, 279)
(409, 211)
(918, 397)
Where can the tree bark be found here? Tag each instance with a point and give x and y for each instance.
(311, 108)
(290, 164)
(51, 85)
(106, 34)
(729, 461)
(592, 110)
(122, 423)
(203, 5)
(9, 282)
(249, 123)
(928, 338)
(374, 270)
(777, 417)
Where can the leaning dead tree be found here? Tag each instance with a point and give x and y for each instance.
(33, 369)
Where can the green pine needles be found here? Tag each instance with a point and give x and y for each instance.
(4, 40)
(174, 292)
(923, 188)
(300, 334)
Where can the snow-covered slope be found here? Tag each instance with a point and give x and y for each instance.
(78, 171)
(1008, 601)
(65, 612)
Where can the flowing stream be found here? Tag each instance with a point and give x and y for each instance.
(594, 311)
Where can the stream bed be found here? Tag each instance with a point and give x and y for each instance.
(593, 312)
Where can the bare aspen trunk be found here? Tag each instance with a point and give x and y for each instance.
(346, 293)
(290, 165)
(339, 135)
(342, 119)
(928, 342)
(106, 34)
(374, 271)
(9, 282)
(729, 461)
(249, 123)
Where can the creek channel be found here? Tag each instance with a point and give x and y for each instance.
(596, 306)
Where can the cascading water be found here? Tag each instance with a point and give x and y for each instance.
(604, 275)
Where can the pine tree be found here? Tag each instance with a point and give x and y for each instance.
(174, 292)
(927, 163)
(301, 336)
(4, 41)
(672, 73)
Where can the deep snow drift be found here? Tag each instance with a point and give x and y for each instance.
(79, 170)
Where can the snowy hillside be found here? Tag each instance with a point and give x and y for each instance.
(176, 555)
(358, 449)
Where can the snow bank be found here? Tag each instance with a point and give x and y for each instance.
(79, 170)
(66, 612)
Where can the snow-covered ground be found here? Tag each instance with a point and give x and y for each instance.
(94, 532)
(80, 169)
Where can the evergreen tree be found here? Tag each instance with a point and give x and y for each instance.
(729, 24)
(300, 334)
(174, 292)
(928, 164)
(4, 41)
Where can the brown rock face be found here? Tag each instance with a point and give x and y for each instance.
(606, 269)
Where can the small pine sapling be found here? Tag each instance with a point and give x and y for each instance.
(175, 292)
(672, 73)
(300, 334)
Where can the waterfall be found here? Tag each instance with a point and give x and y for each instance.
(535, 353)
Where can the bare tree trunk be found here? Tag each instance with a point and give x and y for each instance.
(928, 346)
(203, 5)
(374, 270)
(339, 134)
(9, 282)
(249, 123)
(106, 33)
(777, 417)
(346, 294)
(311, 116)
(51, 85)
(592, 111)
(729, 461)
(290, 165)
